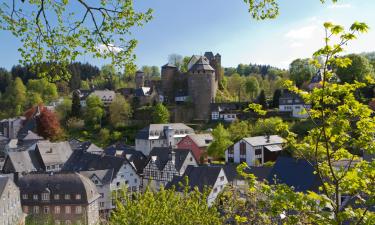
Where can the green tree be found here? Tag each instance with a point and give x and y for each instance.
(160, 114)
(63, 110)
(76, 104)
(301, 71)
(252, 87)
(275, 98)
(155, 71)
(15, 97)
(176, 60)
(94, 110)
(220, 143)
(104, 135)
(359, 68)
(5, 79)
(262, 100)
(120, 111)
(33, 99)
(266, 126)
(238, 130)
(47, 90)
(164, 207)
(185, 63)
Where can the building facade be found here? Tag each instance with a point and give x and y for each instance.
(198, 144)
(10, 204)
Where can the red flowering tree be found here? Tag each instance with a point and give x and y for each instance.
(47, 122)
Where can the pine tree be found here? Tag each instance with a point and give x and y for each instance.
(76, 105)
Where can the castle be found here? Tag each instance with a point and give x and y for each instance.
(198, 85)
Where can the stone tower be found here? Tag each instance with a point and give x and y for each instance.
(215, 63)
(168, 74)
(139, 79)
(202, 87)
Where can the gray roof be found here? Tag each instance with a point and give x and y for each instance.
(209, 55)
(201, 65)
(264, 140)
(3, 183)
(201, 176)
(53, 153)
(24, 161)
(156, 131)
(162, 155)
(169, 65)
(104, 94)
(201, 140)
(105, 176)
(59, 183)
(137, 158)
(32, 136)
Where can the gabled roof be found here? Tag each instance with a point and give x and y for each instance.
(136, 158)
(201, 140)
(54, 152)
(264, 140)
(3, 183)
(162, 155)
(209, 55)
(201, 65)
(105, 176)
(32, 136)
(169, 65)
(143, 91)
(104, 94)
(156, 131)
(24, 161)
(200, 177)
(294, 172)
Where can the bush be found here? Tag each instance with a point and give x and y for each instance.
(75, 123)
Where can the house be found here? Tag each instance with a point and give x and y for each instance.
(160, 135)
(64, 198)
(202, 177)
(198, 144)
(113, 172)
(297, 173)
(22, 162)
(86, 146)
(9, 128)
(164, 163)
(255, 150)
(53, 154)
(291, 102)
(10, 204)
(106, 96)
(227, 112)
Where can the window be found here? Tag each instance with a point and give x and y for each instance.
(78, 197)
(68, 222)
(67, 209)
(101, 195)
(35, 197)
(258, 151)
(222, 178)
(242, 148)
(135, 180)
(46, 209)
(230, 150)
(118, 184)
(78, 209)
(25, 196)
(134, 188)
(45, 196)
(101, 204)
(230, 159)
(36, 209)
(57, 209)
(215, 190)
(56, 197)
(191, 159)
(126, 182)
(67, 196)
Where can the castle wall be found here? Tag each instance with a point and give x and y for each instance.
(168, 75)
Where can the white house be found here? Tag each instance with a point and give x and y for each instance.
(255, 150)
(291, 102)
(160, 135)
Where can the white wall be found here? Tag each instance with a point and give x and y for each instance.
(218, 187)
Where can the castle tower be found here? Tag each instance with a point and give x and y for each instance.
(202, 87)
(168, 75)
(139, 79)
(215, 63)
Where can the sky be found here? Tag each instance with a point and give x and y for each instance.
(188, 27)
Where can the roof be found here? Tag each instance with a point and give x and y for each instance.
(53, 153)
(264, 140)
(59, 183)
(260, 172)
(169, 65)
(209, 55)
(294, 172)
(32, 136)
(142, 91)
(228, 106)
(85, 161)
(156, 131)
(201, 65)
(201, 140)
(3, 183)
(104, 94)
(161, 156)
(85, 146)
(24, 161)
(200, 177)
(136, 158)
(105, 176)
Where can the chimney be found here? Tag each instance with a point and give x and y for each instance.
(268, 138)
(172, 156)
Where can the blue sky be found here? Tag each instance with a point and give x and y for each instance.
(189, 27)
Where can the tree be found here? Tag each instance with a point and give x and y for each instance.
(94, 110)
(76, 105)
(266, 126)
(276, 97)
(164, 207)
(5, 79)
(47, 90)
(63, 109)
(252, 87)
(238, 130)
(185, 64)
(301, 71)
(104, 135)
(120, 111)
(15, 97)
(155, 71)
(108, 73)
(220, 143)
(262, 100)
(359, 68)
(33, 99)
(176, 60)
(147, 70)
(160, 114)
(47, 123)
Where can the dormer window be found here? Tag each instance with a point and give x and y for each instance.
(78, 197)
(56, 197)
(67, 197)
(45, 196)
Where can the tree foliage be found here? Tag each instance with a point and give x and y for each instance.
(120, 111)
(220, 143)
(94, 110)
(160, 114)
(301, 71)
(358, 69)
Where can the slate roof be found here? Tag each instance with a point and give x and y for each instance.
(24, 161)
(3, 183)
(105, 176)
(201, 140)
(53, 153)
(104, 94)
(169, 65)
(137, 158)
(260, 172)
(85, 146)
(201, 65)
(32, 136)
(59, 183)
(162, 155)
(156, 131)
(84, 161)
(200, 177)
(229, 106)
(209, 55)
(28, 125)
(264, 140)
(294, 172)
